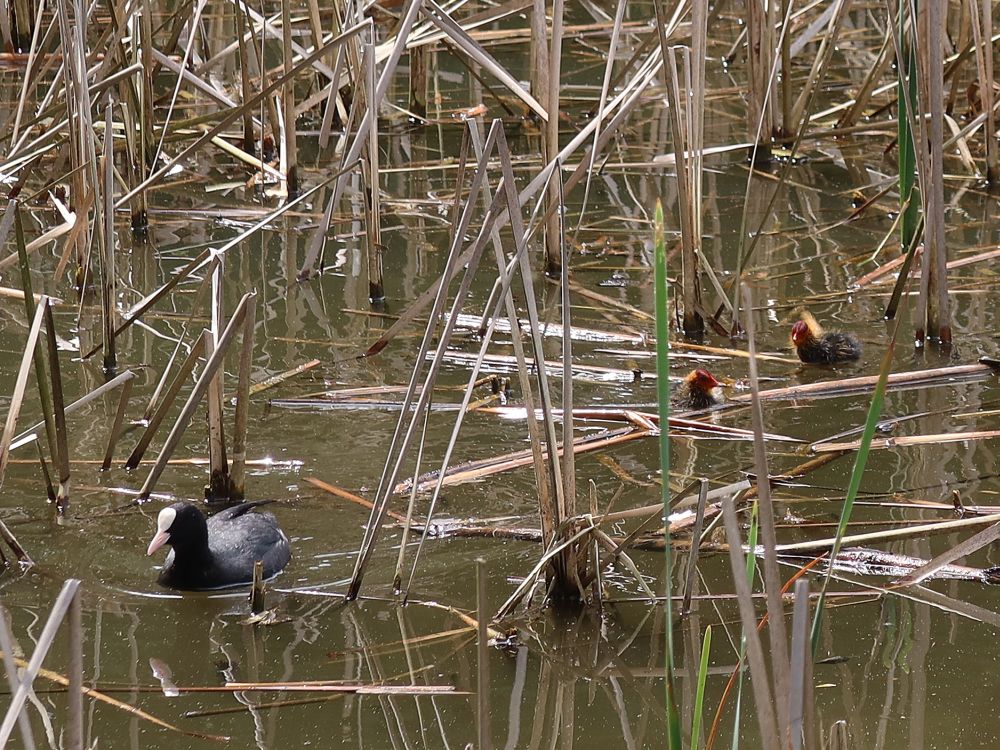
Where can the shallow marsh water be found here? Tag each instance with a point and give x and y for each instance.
(910, 674)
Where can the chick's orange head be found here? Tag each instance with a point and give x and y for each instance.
(703, 379)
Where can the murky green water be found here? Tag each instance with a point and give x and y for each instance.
(913, 675)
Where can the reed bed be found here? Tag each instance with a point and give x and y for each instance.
(578, 266)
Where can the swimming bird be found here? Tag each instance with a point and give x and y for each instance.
(220, 551)
(817, 347)
(699, 390)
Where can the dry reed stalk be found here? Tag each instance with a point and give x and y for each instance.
(502, 288)
(376, 284)
(553, 256)
(933, 315)
(482, 658)
(237, 475)
(688, 183)
(20, 384)
(404, 431)
(218, 484)
(45, 640)
(801, 655)
(760, 58)
(74, 711)
(759, 680)
(109, 272)
(213, 364)
(243, 62)
(538, 52)
(61, 456)
(982, 28)
(288, 103)
(154, 420)
(7, 648)
(772, 577)
(116, 425)
(692, 565)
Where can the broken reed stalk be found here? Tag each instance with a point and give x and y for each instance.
(662, 310)
(933, 315)
(288, 103)
(257, 590)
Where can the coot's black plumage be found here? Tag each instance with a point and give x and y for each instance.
(220, 551)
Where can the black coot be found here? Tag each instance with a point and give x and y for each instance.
(218, 552)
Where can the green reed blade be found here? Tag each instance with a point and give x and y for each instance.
(858, 470)
(699, 696)
(663, 398)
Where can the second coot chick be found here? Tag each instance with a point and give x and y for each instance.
(818, 347)
(700, 390)
(220, 551)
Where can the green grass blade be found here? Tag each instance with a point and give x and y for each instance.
(661, 294)
(699, 696)
(751, 572)
(857, 472)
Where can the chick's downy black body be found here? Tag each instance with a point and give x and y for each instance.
(816, 347)
(699, 390)
(219, 551)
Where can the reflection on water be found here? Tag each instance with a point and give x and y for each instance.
(895, 664)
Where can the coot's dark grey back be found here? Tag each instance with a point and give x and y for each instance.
(237, 538)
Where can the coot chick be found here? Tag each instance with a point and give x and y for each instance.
(221, 551)
(816, 347)
(699, 390)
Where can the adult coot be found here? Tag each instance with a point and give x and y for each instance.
(218, 552)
